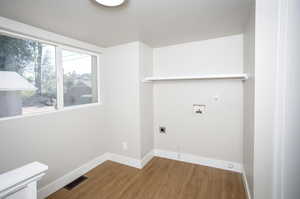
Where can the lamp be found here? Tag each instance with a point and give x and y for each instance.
(110, 3)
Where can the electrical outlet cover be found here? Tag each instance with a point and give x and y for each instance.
(199, 108)
(125, 146)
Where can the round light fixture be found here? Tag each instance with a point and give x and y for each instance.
(110, 3)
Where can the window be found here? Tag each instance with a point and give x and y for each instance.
(30, 74)
(80, 85)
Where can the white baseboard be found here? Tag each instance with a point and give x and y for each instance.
(69, 177)
(246, 185)
(147, 159)
(132, 162)
(64, 180)
(185, 157)
(166, 154)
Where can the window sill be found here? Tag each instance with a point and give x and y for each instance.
(51, 112)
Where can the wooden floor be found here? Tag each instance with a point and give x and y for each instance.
(159, 179)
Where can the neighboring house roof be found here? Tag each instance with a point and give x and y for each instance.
(81, 82)
(12, 81)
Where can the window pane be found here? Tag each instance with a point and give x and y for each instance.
(80, 78)
(27, 69)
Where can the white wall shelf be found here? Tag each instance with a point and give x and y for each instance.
(242, 76)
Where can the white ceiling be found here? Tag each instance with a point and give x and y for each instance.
(155, 22)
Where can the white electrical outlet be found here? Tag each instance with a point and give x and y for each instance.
(125, 146)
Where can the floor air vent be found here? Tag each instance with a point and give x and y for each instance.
(75, 183)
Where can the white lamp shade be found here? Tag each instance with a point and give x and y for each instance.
(110, 3)
(12, 81)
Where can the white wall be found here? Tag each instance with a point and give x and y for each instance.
(219, 132)
(291, 136)
(129, 111)
(63, 140)
(146, 100)
(122, 98)
(249, 95)
(266, 67)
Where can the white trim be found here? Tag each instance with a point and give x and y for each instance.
(166, 154)
(37, 114)
(99, 79)
(25, 37)
(59, 79)
(132, 162)
(185, 157)
(49, 37)
(69, 177)
(147, 158)
(246, 184)
(280, 101)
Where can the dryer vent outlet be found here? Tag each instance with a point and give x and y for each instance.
(162, 130)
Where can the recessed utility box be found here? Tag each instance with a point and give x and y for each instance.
(199, 108)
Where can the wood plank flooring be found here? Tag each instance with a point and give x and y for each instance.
(159, 179)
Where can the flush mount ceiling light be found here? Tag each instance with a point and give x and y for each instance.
(110, 3)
